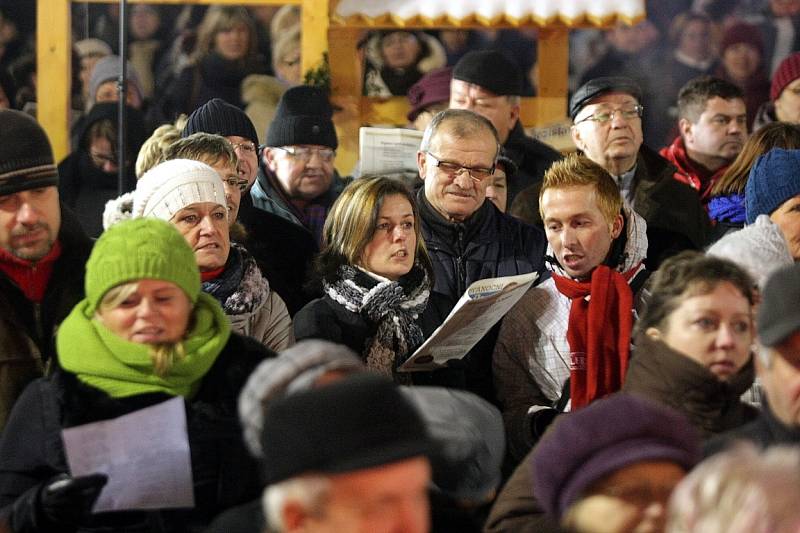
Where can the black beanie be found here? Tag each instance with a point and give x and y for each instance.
(221, 118)
(490, 69)
(303, 116)
(26, 157)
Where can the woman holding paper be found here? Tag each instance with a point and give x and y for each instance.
(376, 277)
(145, 333)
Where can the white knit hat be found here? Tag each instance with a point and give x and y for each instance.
(759, 248)
(169, 187)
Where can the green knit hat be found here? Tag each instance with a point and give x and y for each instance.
(142, 248)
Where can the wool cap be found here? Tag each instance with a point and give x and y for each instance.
(219, 117)
(779, 314)
(172, 185)
(600, 86)
(490, 69)
(295, 369)
(359, 422)
(586, 445)
(143, 248)
(432, 88)
(759, 248)
(772, 181)
(109, 69)
(303, 116)
(786, 73)
(742, 32)
(26, 157)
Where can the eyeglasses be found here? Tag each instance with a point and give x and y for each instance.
(454, 169)
(246, 146)
(239, 183)
(607, 115)
(305, 153)
(101, 159)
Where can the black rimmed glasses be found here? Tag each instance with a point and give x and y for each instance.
(239, 183)
(452, 170)
(607, 115)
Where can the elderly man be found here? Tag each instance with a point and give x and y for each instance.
(283, 249)
(490, 84)
(713, 128)
(777, 366)
(607, 128)
(773, 189)
(297, 179)
(536, 355)
(467, 237)
(359, 462)
(42, 256)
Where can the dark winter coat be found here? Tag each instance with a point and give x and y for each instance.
(532, 158)
(712, 406)
(27, 329)
(764, 431)
(224, 474)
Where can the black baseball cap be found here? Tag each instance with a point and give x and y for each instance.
(599, 86)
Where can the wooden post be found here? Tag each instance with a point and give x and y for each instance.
(552, 79)
(346, 93)
(54, 73)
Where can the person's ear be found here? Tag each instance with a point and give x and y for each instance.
(295, 517)
(514, 115)
(685, 128)
(269, 159)
(654, 333)
(617, 225)
(576, 137)
(421, 164)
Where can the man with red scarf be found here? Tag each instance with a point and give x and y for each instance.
(566, 342)
(713, 129)
(42, 256)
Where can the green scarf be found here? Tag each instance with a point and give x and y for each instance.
(122, 368)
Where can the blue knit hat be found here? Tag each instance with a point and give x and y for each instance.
(773, 179)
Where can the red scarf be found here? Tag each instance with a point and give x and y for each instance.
(693, 174)
(31, 277)
(599, 332)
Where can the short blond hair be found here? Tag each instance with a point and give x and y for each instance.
(578, 170)
(152, 151)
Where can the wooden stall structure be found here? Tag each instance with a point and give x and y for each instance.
(335, 27)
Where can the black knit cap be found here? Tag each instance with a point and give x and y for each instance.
(490, 69)
(599, 86)
(303, 116)
(26, 157)
(221, 118)
(362, 421)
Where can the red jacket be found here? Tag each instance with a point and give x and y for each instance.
(689, 172)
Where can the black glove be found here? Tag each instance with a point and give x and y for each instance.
(66, 500)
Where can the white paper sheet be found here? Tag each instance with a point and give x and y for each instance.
(145, 455)
(484, 303)
(388, 150)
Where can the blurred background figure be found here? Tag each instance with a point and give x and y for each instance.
(396, 60)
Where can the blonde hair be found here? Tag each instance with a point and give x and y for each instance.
(285, 18)
(285, 43)
(163, 355)
(222, 18)
(152, 151)
(577, 170)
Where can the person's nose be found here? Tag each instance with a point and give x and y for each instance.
(145, 308)
(464, 179)
(490, 192)
(399, 233)
(27, 214)
(618, 120)
(735, 127)
(207, 226)
(568, 238)
(725, 336)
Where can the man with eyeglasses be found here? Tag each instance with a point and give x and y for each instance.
(283, 249)
(43, 251)
(467, 237)
(607, 128)
(713, 129)
(297, 179)
(490, 84)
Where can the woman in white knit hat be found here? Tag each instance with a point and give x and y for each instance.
(190, 195)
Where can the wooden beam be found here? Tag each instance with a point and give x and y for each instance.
(54, 72)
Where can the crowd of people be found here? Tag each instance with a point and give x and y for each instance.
(649, 380)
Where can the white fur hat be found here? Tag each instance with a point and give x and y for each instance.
(759, 248)
(169, 187)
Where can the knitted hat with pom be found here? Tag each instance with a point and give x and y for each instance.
(143, 248)
(172, 185)
(303, 116)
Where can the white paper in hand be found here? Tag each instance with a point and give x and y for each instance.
(145, 455)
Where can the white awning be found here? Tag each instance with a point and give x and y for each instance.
(444, 13)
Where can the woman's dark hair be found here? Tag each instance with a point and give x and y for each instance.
(352, 221)
(689, 274)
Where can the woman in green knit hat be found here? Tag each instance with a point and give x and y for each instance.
(144, 333)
